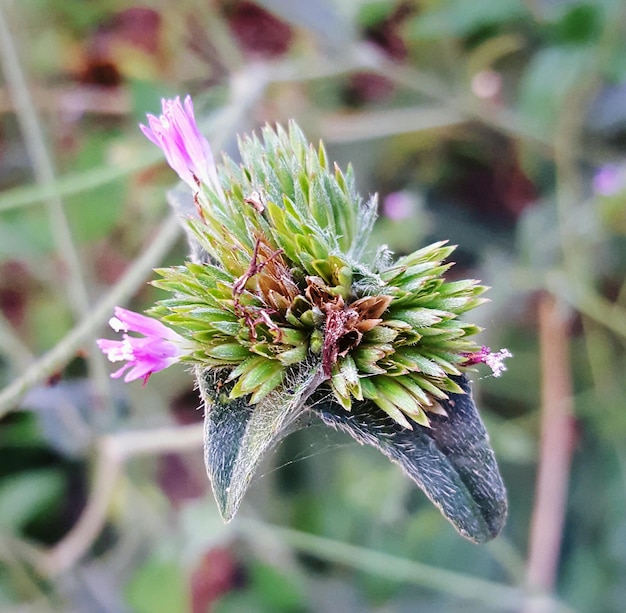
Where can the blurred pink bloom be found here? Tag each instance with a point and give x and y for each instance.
(609, 180)
(495, 360)
(487, 84)
(186, 150)
(399, 205)
(159, 348)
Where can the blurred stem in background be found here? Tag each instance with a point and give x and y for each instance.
(555, 452)
(71, 274)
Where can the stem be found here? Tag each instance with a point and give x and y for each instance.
(43, 169)
(113, 452)
(12, 346)
(556, 449)
(489, 593)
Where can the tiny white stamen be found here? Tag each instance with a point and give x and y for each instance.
(123, 351)
(118, 325)
(495, 361)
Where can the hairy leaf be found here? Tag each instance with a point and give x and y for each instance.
(452, 461)
(237, 434)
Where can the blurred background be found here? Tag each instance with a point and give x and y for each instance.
(499, 125)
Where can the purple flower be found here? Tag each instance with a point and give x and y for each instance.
(159, 348)
(186, 150)
(495, 360)
(609, 180)
(399, 205)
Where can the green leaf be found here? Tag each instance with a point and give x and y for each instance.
(452, 461)
(158, 587)
(543, 95)
(461, 18)
(24, 496)
(237, 434)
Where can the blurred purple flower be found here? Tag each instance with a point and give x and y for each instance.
(186, 150)
(495, 360)
(399, 205)
(159, 348)
(609, 180)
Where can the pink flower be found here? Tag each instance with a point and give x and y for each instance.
(400, 205)
(495, 360)
(186, 150)
(609, 180)
(159, 348)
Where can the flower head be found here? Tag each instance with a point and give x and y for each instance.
(186, 150)
(493, 359)
(159, 347)
(283, 284)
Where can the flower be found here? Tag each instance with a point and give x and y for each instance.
(495, 360)
(186, 150)
(159, 348)
(609, 180)
(401, 205)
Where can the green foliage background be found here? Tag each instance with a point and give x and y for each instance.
(490, 118)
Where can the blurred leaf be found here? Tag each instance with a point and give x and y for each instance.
(80, 16)
(373, 12)
(201, 529)
(536, 222)
(48, 320)
(158, 587)
(93, 214)
(238, 602)
(24, 235)
(275, 590)
(23, 496)
(461, 18)
(320, 17)
(452, 461)
(549, 77)
(22, 431)
(267, 591)
(581, 23)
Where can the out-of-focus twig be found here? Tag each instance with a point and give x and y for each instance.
(12, 346)
(492, 594)
(112, 452)
(555, 455)
(43, 169)
(35, 141)
(558, 432)
(343, 128)
(587, 301)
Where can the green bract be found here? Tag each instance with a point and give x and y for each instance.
(286, 281)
